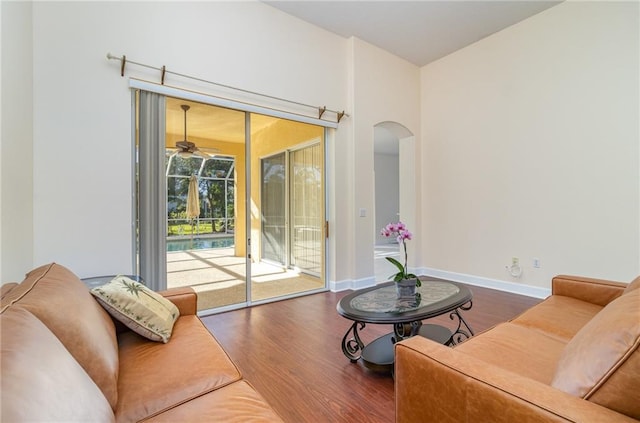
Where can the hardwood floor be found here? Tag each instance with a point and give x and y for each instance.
(291, 352)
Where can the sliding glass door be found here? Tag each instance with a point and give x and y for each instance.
(206, 239)
(307, 212)
(240, 201)
(292, 209)
(287, 189)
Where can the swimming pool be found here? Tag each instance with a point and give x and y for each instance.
(198, 243)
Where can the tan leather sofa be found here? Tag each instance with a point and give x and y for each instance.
(572, 358)
(65, 360)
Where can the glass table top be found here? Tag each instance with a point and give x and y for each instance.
(384, 299)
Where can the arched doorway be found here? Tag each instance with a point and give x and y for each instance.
(394, 187)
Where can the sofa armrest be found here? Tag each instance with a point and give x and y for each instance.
(434, 383)
(6, 287)
(185, 298)
(595, 291)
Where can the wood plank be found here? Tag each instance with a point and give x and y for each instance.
(291, 352)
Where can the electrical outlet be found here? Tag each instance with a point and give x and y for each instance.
(536, 263)
(515, 261)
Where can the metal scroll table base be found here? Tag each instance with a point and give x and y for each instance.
(378, 355)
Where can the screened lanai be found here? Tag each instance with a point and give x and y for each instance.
(215, 177)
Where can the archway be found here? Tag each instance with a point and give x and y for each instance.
(394, 196)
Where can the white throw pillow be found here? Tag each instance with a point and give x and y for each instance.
(142, 310)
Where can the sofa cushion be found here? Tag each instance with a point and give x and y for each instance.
(559, 316)
(518, 349)
(41, 381)
(236, 403)
(63, 303)
(143, 311)
(155, 377)
(602, 362)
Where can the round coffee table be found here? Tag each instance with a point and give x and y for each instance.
(379, 305)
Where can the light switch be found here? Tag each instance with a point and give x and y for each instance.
(363, 212)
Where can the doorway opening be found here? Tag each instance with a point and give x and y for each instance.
(393, 145)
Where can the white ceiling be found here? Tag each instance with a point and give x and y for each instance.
(417, 31)
(208, 125)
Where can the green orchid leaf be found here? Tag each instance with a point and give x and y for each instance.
(412, 276)
(396, 263)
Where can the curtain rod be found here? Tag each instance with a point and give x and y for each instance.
(123, 61)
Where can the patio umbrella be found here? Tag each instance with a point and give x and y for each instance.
(193, 199)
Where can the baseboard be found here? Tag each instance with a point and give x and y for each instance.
(337, 286)
(515, 288)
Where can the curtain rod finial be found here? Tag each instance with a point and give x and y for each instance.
(123, 61)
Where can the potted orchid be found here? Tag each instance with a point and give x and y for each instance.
(403, 278)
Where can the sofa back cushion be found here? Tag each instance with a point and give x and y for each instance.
(602, 361)
(63, 303)
(41, 381)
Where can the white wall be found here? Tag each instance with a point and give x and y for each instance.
(531, 149)
(16, 211)
(384, 88)
(526, 143)
(82, 184)
(82, 125)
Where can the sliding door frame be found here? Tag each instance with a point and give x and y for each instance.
(247, 207)
(248, 109)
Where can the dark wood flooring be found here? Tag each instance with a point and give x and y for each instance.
(290, 351)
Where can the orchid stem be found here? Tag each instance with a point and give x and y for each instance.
(404, 246)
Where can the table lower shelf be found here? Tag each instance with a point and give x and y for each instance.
(379, 354)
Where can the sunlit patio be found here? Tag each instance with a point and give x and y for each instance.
(218, 276)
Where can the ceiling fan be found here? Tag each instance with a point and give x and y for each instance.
(186, 148)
